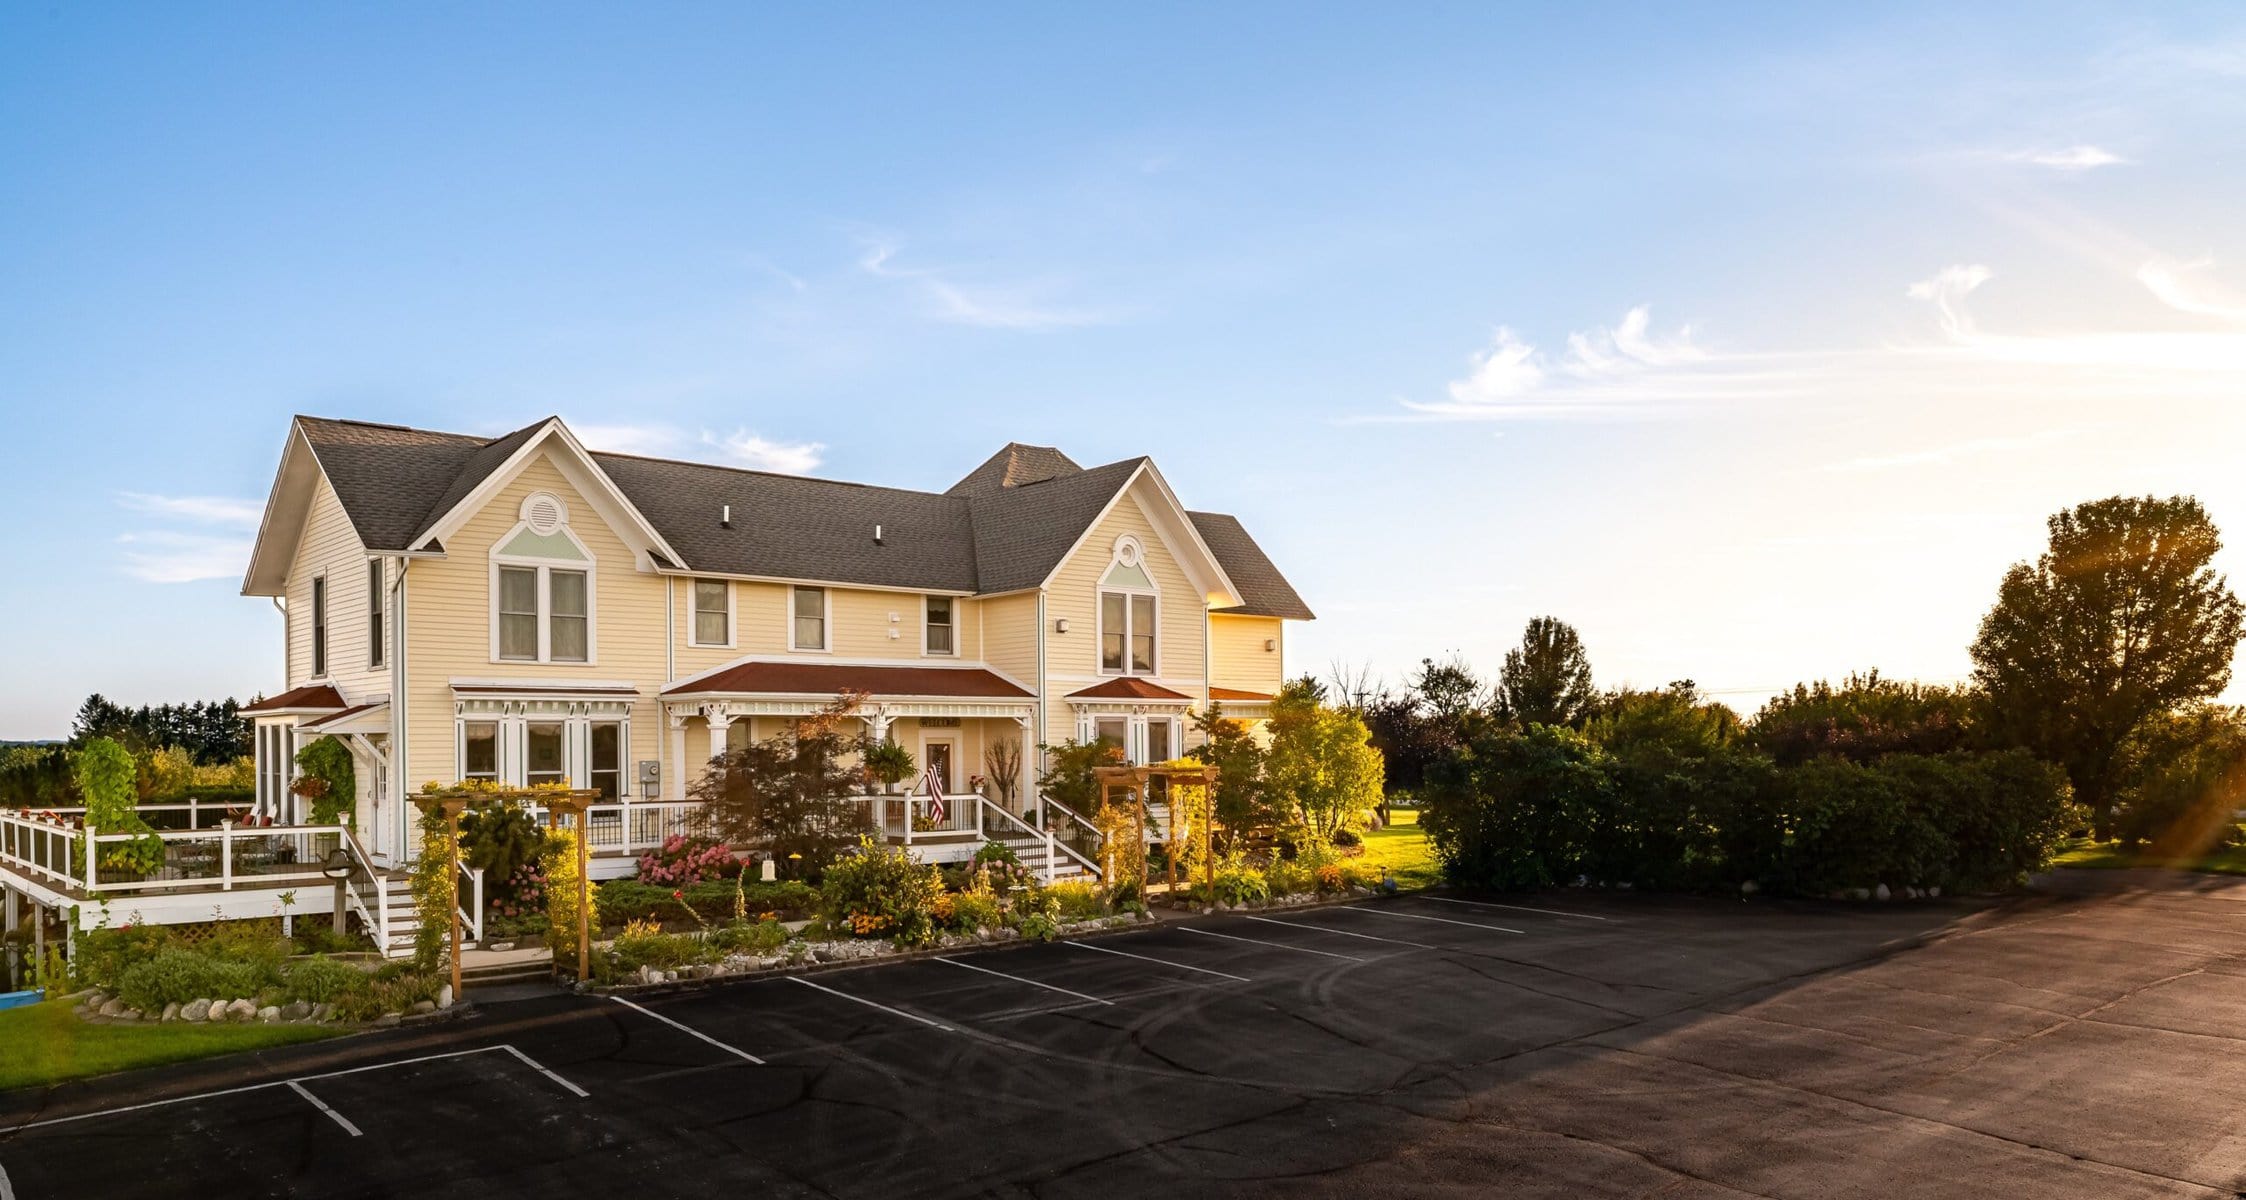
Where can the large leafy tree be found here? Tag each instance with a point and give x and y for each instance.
(1861, 719)
(791, 795)
(1321, 762)
(2122, 618)
(1547, 679)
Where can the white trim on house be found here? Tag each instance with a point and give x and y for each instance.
(1201, 567)
(843, 584)
(962, 664)
(949, 737)
(1128, 553)
(583, 474)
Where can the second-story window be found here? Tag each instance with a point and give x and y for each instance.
(319, 625)
(1127, 612)
(808, 628)
(713, 613)
(374, 613)
(941, 639)
(542, 589)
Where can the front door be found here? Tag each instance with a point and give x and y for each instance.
(937, 754)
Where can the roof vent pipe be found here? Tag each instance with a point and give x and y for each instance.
(725, 516)
(877, 535)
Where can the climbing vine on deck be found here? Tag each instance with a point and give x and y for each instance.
(328, 779)
(109, 781)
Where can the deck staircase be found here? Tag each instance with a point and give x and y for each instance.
(396, 887)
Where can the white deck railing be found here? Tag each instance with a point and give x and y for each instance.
(221, 859)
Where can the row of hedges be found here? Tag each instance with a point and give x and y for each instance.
(148, 967)
(1549, 806)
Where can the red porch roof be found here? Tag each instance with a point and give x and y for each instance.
(827, 679)
(1127, 688)
(1235, 694)
(313, 695)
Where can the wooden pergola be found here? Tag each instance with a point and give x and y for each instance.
(557, 804)
(1133, 781)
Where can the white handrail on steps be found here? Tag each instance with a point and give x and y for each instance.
(473, 916)
(1071, 851)
(1054, 847)
(377, 915)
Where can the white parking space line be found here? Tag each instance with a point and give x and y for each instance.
(870, 1004)
(1344, 933)
(539, 1067)
(322, 1105)
(1381, 912)
(689, 1030)
(1231, 937)
(1550, 912)
(1159, 961)
(1031, 982)
(254, 1087)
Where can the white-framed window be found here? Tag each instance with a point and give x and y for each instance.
(542, 589)
(1129, 612)
(1142, 739)
(604, 771)
(545, 754)
(807, 619)
(374, 612)
(479, 750)
(319, 626)
(941, 623)
(712, 621)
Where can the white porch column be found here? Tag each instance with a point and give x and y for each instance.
(721, 720)
(1025, 788)
(676, 785)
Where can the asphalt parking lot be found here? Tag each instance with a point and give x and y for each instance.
(2082, 1044)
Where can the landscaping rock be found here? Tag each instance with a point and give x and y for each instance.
(95, 999)
(241, 1010)
(387, 1020)
(171, 1011)
(1749, 888)
(295, 1011)
(444, 996)
(130, 1014)
(321, 1012)
(424, 1006)
(195, 1010)
(111, 1007)
(1935, 892)
(1860, 894)
(269, 1014)
(1881, 893)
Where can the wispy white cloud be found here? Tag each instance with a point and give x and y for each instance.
(991, 307)
(1621, 370)
(740, 448)
(1947, 291)
(2069, 158)
(160, 556)
(211, 510)
(2178, 286)
(746, 449)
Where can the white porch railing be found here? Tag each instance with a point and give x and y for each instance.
(635, 827)
(221, 859)
(1007, 825)
(469, 898)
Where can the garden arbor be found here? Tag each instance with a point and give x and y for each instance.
(437, 874)
(1189, 786)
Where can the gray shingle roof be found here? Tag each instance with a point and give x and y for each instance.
(1264, 592)
(1003, 528)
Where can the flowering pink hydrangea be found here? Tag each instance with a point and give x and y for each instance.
(684, 860)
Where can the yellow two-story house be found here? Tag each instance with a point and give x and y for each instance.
(523, 610)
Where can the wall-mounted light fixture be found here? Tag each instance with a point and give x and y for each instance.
(1061, 626)
(1270, 645)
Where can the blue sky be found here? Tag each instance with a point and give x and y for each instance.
(1756, 342)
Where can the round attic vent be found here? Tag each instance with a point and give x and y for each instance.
(1127, 550)
(544, 512)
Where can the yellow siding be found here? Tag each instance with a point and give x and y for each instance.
(1072, 659)
(448, 610)
(1237, 658)
(1009, 636)
(859, 630)
(330, 545)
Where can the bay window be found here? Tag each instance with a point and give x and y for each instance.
(542, 753)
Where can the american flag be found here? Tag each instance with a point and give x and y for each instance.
(933, 784)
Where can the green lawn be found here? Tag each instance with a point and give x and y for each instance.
(1403, 848)
(47, 1043)
(2083, 852)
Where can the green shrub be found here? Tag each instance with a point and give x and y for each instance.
(881, 891)
(1291, 878)
(1037, 926)
(176, 975)
(321, 980)
(622, 900)
(973, 909)
(1076, 900)
(388, 992)
(997, 852)
(758, 937)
